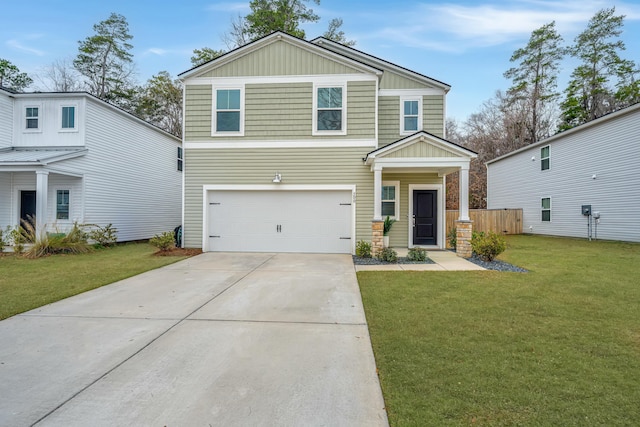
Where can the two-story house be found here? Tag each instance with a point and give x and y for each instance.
(70, 157)
(297, 146)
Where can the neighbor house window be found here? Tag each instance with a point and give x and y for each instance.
(180, 159)
(546, 209)
(228, 109)
(68, 115)
(411, 115)
(329, 109)
(390, 199)
(62, 204)
(544, 158)
(32, 115)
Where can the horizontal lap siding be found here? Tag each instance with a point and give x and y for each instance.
(7, 205)
(198, 106)
(314, 166)
(389, 121)
(391, 80)
(433, 114)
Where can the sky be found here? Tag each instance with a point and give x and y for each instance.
(466, 44)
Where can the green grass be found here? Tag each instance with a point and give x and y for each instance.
(30, 283)
(558, 346)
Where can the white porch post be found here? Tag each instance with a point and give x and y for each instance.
(42, 190)
(377, 193)
(463, 183)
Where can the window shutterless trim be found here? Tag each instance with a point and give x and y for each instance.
(61, 118)
(343, 130)
(396, 200)
(545, 163)
(543, 210)
(28, 116)
(404, 99)
(214, 110)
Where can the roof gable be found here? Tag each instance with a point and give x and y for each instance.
(421, 145)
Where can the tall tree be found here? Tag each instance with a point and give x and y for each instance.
(11, 77)
(106, 62)
(534, 82)
(206, 54)
(238, 34)
(160, 103)
(336, 34)
(268, 16)
(590, 93)
(60, 76)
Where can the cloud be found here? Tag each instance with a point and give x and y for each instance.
(15, 44)
(156, 51)
(229, 7)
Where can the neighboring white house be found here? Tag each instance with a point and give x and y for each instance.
(594, 164)
(67, 157)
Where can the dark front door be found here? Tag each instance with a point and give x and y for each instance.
(27, 206)
(425, 213)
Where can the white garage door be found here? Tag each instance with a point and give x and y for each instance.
(280, 221)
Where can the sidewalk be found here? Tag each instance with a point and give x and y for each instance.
(444, 261)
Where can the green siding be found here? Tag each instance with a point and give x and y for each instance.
(280, 58)
(391, 80)
(421, 149)
(281, 112)
(433, 114)
(389, 120)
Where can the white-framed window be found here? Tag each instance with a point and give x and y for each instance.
(228, 111)
(32, 118)
(390, 199)
(180, 159)
(546, 209)
(544, 158)
(330, 109)
(410, 114)
(68, 117)
(62, 204)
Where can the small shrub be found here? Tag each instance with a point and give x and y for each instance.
(488, 245)
(452, 237)
(417, 254)
(104, 236)
(5, 237)
(387, 255)
(164, 241)
(363, 249)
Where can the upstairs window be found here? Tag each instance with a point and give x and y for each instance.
(410, 115)
(390, 196)
(180, 159)
(68, 116)
(329, 110)
(32, 115)
(544, 158)
(228, 111)
(62, 204)
(546, 209)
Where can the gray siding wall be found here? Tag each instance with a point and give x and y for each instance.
(281, 112)
(389, 120)
(610, 150)
(6, 204)
(6, 120)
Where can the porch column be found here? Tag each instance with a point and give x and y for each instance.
(377, 193)
(42, 192)
(463, 214)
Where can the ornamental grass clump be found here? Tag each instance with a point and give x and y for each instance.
(488, 245)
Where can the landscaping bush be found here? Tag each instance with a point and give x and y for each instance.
(5, 237)
(104, 236)
(363, 249)
(387, 255)
(417, 254)
(488, 245)
(452, 237)
(72, 242)
(164, 241)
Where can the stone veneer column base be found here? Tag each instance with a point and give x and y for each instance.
(376, 236)
(464, 230)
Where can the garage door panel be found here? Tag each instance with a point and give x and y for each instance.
(280, 221)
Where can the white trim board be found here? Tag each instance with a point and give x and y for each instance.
(308, 143)
(318, 79)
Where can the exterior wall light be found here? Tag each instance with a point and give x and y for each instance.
(277, 178)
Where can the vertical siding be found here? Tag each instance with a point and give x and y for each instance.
(610, 150)
(421, 149)
(389, 121)
(50, 120)
(6, 120)
(391, 80)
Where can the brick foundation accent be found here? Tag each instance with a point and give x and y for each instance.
(376, 237)
(464, 231)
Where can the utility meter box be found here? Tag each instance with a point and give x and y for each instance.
(596, 215)
(586, 210)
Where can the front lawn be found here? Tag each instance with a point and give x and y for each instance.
(30, 283)
(558, 346)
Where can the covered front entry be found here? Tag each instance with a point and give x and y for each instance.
(279, 219)
(420, 164)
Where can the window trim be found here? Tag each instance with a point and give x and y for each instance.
(403, 131)
(542, 159)
(68, 190)
(542, 209)
(180, 160)
(75, 118)
(214, 109)
(25, 118)
(314, 119)
(395, 184)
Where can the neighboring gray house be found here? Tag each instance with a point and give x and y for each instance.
(67, 157)
(594, 164)
(297, 146)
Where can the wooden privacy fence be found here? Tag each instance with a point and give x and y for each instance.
(501, 221)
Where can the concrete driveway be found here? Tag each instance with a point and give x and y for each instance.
(219, 339)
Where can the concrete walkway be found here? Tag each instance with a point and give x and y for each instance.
(218, 339)
(444, 261)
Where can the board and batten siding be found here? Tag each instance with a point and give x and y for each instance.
(298, 166)
(6, 120)
(389, 117)
(391, 80)
(50, 133)
(609, 150)
(281, 112)
(130, 175)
